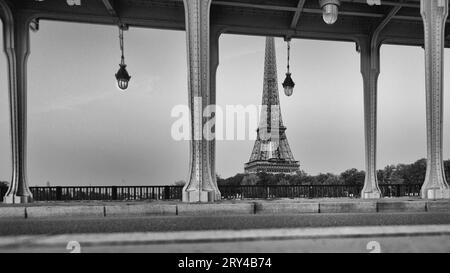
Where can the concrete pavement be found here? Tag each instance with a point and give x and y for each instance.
(400, 244)
(310, 232)
(428, 238)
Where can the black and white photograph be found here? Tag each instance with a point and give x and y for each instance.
(225, 134)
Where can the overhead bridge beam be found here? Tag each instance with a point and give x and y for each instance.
(375, 40)
(110, 8)
(387, 19)
(297, 14)
(386, 3)
(319, 11)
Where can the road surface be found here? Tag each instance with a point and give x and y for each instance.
(183, 223)
(46, 228)
(415, 244)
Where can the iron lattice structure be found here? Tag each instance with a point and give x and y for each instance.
(271, 152)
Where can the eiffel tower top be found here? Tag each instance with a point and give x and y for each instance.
(270, 93)
(271, 97)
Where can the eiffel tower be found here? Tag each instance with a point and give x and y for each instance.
(271, 152)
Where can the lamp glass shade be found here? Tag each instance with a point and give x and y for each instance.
(122, 77)
(330, 13)
(122, 84)
(288, 91)
(288, 85)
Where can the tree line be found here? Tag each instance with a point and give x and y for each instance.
(392, 174)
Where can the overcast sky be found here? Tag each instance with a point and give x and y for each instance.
(83, 131)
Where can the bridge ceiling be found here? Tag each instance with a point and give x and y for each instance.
(250, 17)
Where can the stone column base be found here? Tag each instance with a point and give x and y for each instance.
(218, 195)
(436, 193)
(14, 199)
(199, 196)
(370, 195)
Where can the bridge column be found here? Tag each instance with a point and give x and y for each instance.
(214, 64)
(370, 70)
(201, 185)
(16, 46)
(434, 15)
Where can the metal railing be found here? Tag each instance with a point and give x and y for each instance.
(3, 191)
(314, 191)
(400, 190)
(124, 193)
(107, 193)
(288, 191)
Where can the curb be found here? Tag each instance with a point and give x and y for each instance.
(140, 210)
(211, 209)
(348, 207)
(64, 211)
(438, 206)
(12, 212)
(405, 206)
(280, 208)
(215, 209)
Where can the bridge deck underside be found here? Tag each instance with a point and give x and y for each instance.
(250, 17)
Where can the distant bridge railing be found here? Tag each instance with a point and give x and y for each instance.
(315, 191)
(107, 193)
(3, 191)
(124, 193)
